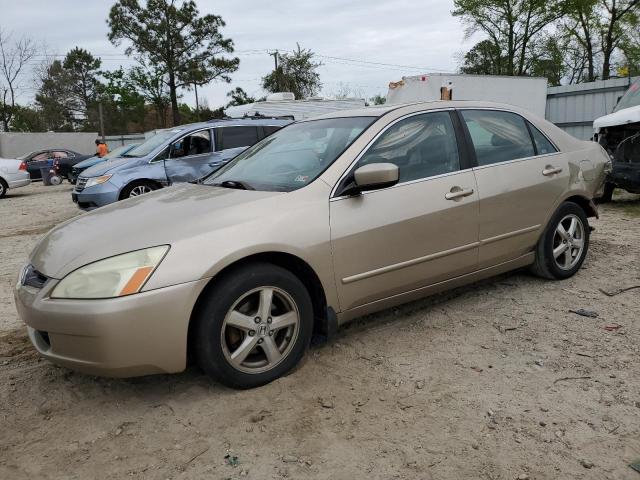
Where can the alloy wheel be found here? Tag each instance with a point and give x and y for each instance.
(568, 242)
(260, 329)
(139, 190)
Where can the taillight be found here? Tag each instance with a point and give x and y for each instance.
(23, 166)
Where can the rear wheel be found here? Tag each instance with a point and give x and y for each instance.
(3, 188)
(607, 194)
(136, 189)
(564, 244)
(254, 326)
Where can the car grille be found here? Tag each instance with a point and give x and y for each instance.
(81, 183)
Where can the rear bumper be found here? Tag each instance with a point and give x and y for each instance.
(140, 334)
(20, 179)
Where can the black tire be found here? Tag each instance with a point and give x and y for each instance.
(71, 179)
(545, 264)
(607, 194)
(207, 339)
(3, 188)
(126, 191)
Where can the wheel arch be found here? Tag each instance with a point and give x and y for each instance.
(586, 204)
(324, 321)
(138, 180)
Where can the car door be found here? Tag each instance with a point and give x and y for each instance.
(191, 157)
(520, 175)
(36, 162)
(419, 232)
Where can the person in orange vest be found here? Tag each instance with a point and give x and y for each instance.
(101, 148)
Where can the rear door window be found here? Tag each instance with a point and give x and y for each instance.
(40, 156)
(234, 137)
(498, 136)
(543, 145)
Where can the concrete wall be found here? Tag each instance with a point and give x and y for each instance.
(15, 144)
(573, 108)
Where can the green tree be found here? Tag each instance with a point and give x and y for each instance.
(601, 28)
(27, 119)
(484, 58)
(239, 97)
(296, 73)
(174, 38)
(512, 26)
(82, 71)
(378, 100)
(549, 61)
(53, 98)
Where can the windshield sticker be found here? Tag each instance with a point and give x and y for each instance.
(302, 178)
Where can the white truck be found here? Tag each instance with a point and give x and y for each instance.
(529, 93)
(619, 135)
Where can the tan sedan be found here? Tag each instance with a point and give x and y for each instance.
(323, 221)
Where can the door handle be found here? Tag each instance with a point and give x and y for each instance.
(457, 192)
(551, 170)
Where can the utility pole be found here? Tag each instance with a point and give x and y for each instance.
(101, 120)
(275, 58)
(195, 88)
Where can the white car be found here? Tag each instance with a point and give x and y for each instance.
(13, 174)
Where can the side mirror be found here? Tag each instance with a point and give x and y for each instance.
(372, 177)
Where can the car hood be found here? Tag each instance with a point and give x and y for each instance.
(622, 117)
(110, 166)
(158, 218)
(89, 162)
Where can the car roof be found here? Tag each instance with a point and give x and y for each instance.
(380, 110)
(233, 122)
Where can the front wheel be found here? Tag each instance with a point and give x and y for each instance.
(564, 244)
(137, 188)
(254, 326)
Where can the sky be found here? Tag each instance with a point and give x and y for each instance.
(363, 44)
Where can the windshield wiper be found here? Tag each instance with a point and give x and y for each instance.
(234, 184)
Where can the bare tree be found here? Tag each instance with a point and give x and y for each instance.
(14, 57)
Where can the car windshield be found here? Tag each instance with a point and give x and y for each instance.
(631, 98)
(291, 157)
(154, 142)
(120, 151)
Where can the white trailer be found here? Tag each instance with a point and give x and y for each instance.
(529, 93)
(284, 104)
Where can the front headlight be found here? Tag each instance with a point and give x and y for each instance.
(113, 277)
(97, 180)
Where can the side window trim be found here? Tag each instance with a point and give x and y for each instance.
(350, 169)
(465, 144)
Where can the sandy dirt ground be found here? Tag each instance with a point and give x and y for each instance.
(498, 380)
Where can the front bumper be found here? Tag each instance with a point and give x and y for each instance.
(96, 196)
(140, 334)
(626, 176)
